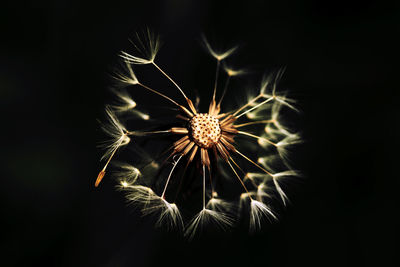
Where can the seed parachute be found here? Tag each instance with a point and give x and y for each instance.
(220, 164)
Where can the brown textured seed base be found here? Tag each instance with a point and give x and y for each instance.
(205, 130)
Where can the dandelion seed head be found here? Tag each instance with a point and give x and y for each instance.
(206, 141)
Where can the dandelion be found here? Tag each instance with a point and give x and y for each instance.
(214, 143)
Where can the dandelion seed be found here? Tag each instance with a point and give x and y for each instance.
(262, 141)
(258, 211)
(141, 115)
(232, 72)
(262, 192)
(257, 177)
(124, 184)
(205, 217)
(276, 109)
(219, 204)
(287, 102)
(279, 176)
(170, 215)
(119, 138)
(207, 141)
(124, 101)
(266, 82)
(283, 147)
(287, 173)
(126, 173)
(141, 194)
(129, 78)
(147, 44)
(218, 55)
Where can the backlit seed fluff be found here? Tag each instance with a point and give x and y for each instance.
(240, 157)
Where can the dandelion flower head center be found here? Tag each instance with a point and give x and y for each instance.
(205, 130)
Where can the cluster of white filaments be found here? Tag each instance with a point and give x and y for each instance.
(215, 138)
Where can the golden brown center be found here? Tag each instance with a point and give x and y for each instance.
(205, 130)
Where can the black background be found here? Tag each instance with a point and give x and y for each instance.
(341, 66)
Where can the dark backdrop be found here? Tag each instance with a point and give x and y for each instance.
(341, 66)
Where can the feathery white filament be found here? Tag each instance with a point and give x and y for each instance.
(216, 54)
(207, 216)
(127, 174)
(116, 131)
(148, 49)
(257, 212)
(129, 78)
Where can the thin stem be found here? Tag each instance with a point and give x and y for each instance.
(135, 133)
(115, 149)
(253, 122)
(258, 137)
(181, 180)
(240, 180)
(258, 166)
(204, 186)
(225, 89)
(253, 108)
(216, 79)
(169, 78)
(102, 172)
(237, 165)
(247, 104)
(169, 176)
(211, 183)
(158, 93)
